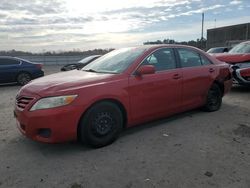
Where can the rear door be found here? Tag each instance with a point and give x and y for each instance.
(158, 94)
(8, 69)
(198, 75)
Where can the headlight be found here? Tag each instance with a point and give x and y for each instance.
(52, 102)
(243, 65)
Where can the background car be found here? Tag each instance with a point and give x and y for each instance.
(121, 89)
(80, 64)
(239, 58)
(13, 69)
(218, 50)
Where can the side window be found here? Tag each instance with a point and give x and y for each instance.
(205, 61)
(7, 61)
(162, 59)
(2, 62)
(189, 58)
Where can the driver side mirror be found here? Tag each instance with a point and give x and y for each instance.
(145, 69)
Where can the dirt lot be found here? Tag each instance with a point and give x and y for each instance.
(194, 149)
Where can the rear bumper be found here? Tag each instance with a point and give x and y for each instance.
(38, 74)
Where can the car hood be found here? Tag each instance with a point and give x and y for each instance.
(232, 58)
(64, 82)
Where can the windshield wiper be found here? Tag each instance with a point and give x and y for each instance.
(90, 70)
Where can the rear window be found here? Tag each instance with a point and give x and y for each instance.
(6, 61)
(189, 58)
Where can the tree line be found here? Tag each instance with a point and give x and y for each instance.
(54, 53)
(199, 43)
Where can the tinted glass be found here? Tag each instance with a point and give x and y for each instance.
(189, 58)
(216, 50)
(241, 48)
(162, 59)
(88, 59)
(6, 61)
(205, 61)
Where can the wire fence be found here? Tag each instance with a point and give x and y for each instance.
(53, 60)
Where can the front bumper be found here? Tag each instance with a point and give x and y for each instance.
(61, 122)
(242, 76)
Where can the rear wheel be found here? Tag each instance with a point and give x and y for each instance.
(101, 124)
(214, 99)
(23, 78)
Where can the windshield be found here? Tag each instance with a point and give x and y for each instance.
(87, 59)
(216, 50)
(240, 48)
(116, 61)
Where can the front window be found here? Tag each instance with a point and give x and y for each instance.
(162, 59)
(116, 61)
(240, 49)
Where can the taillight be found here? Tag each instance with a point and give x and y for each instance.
(40, 66)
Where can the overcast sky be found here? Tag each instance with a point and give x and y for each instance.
(44, 25)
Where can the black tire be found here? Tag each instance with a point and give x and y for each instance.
(101, 124)
(214, 99)
(23, 78)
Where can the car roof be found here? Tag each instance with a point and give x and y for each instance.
(246, 42)
(155, 46)
(219, 47)
(9, 57)
(94, 55)
(15, 58)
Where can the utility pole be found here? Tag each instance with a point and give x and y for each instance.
(202, 26)
(202, 30)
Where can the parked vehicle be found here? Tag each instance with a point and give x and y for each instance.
(120, 89)
(13, 69)
(239, 58)
(80, 64)
(218, 50)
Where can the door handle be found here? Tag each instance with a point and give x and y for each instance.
(176, 76)
(211, 70)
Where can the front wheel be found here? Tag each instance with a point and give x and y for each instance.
(214, 99)
(23, 78)
(101, 124)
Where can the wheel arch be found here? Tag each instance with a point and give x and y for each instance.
(221, 85)
(23, 71)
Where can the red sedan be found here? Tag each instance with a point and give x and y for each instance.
(120, 89)
(239, 59)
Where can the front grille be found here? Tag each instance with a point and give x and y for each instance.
(22, 102)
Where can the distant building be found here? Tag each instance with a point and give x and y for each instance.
(228, 36)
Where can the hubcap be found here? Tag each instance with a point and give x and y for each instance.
(103, 123)
(24, 79)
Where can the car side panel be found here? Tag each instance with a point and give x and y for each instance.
(31, 69)
(196, 83)
(8, 73)
(155, 95)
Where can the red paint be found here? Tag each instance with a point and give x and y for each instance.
(245, 72)
(233, 58)
(144, 97)
(240, 62)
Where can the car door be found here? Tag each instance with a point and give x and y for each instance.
(8, 69)
(198, 75)
(158, 94)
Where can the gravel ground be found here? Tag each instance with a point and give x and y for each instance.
(193, 149)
